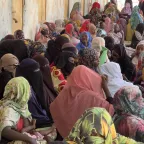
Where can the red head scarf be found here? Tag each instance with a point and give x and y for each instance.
(85, 26)
(69, 29)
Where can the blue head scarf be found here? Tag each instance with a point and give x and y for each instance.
(81, 45)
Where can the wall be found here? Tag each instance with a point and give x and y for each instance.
(30, 18)
(5, 18)
(54, 10)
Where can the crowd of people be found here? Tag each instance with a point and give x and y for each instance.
(77, 82)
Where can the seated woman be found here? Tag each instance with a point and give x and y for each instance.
(98, 44)
(59, 25)
(96, 126)
(115, 78)
(69, 30)
(136, 55)
(126, 11)
(54, 48)
(138, 35)
(108, 25)
(39, 103)
(120, 56)
(19, 35)
(117, 35)
(8, 64)
(82, 91)
(129, 108)
(92, 30)
(85, 41)
(47, 79)
(66, 59)
(15, 119)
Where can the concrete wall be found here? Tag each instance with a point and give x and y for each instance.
(54, 10)
(5, 18)
(30, 18)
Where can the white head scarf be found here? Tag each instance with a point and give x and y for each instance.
(115, 78)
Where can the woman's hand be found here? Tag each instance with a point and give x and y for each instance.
(32, 141)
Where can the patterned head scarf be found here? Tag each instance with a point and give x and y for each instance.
(129, 100)
(88, 57)
(16, 96)
(76, 9)
(95, 126)
(14, 103)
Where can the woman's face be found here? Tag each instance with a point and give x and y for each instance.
(96, 62)
(140, 48)
(84, 39)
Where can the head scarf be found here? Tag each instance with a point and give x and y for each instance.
(129, 100)
(66, 36)
(66, 60)
(39, 48)
(69, 29)
(88, 57)
(81, 45)
(108, 24)
(76, 9)
(54, 47)
(14, 103)
(85, 26)
(135, 18)
(9, 62)
(59, 23)
(30, 69)
(115, 78)
(95, 126)
(15, 47)
(8, 37)
(82, 91)
(19, 34)
(95, 5)
(139, 33)
(45, 69)
(92, 30)
(127, 9)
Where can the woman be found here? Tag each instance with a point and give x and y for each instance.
(59, 25)
(129, 107)
(96, 126)
(98, 43)
(19, 34)
(136, 18)
(120, 56)
(30, 69)
(111, 9)
(109, 43)
(95, 14)
(138, 35)
(66, 59)
(69, 30)
(14, 112)
(82, 91)
(47, 79)
(54, 48)
(136, 55)
(85, 41)
(115, 78)
(19, 48)
(85, 26)
(108, 24)
(92, 30)
(8, 64)
(126, 11)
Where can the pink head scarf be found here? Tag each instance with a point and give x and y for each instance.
(69, 29)
(82, 91)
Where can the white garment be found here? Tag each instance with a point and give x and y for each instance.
(115, 78)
